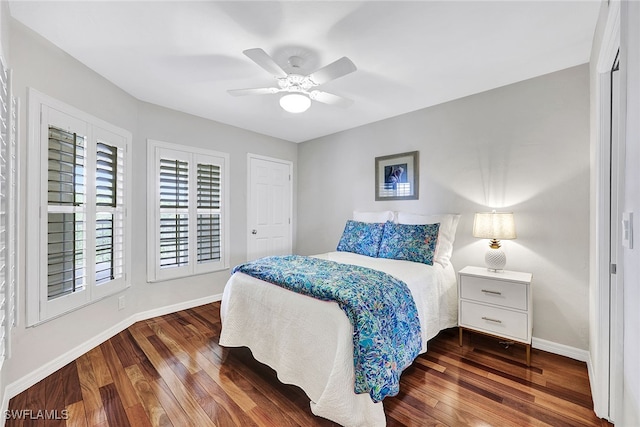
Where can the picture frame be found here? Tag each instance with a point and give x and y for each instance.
(397, 176)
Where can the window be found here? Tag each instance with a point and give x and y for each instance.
(188, 202)
(7, 209)
(78, 172)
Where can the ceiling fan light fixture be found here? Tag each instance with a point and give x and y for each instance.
(295, 103)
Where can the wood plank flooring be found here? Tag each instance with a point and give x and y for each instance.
(170, 371)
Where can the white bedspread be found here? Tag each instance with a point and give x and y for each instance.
(308, 342)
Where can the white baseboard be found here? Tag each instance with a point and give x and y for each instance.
(173, 308)
(49, 368)
(560, 349)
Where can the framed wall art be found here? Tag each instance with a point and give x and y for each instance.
(397, 176)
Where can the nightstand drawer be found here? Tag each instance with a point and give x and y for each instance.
(506, 294)
(494, 320)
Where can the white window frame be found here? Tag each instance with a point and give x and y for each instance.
(45, 111)
(192, 155)
(8, 223)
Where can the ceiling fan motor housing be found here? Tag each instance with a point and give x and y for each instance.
(296, 83)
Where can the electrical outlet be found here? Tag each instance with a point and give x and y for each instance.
(121, 303)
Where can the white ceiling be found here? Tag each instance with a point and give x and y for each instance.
(410, 55)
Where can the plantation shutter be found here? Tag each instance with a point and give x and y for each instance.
(208, 208)
(188, 210)
(4, 208)
(174, 213)
(66, 270)
(8, 210)
(109, 245)
(79, 244)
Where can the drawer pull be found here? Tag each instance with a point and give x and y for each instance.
(486, 291)
(488, 319)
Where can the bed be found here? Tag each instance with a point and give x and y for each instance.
(308, 342)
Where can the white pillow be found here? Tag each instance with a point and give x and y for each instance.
(446, 232)
(382, 216)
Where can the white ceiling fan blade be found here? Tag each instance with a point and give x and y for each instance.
(329, 98)
(261, 58)
(339, 68)
(254, 91)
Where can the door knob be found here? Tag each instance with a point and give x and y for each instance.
(254, 231)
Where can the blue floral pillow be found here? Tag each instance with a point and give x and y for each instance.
(361, 238)
(415, 243)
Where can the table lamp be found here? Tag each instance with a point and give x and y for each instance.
(495, 226)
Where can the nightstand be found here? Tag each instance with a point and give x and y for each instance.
(496, 304)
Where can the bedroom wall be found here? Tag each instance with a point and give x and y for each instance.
(39, 64)
(522, 148)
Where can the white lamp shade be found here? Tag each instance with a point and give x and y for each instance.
(494, 225)
(295, 103)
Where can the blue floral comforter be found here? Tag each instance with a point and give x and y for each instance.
(386, 337)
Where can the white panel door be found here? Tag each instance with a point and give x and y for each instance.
(269, 207)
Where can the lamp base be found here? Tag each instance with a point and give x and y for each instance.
(495, 259)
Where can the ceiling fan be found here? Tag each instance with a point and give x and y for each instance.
(299, 88)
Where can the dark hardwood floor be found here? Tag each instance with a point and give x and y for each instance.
(170, 370)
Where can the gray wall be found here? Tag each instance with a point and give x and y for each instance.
(39, 64)
(523, 148)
